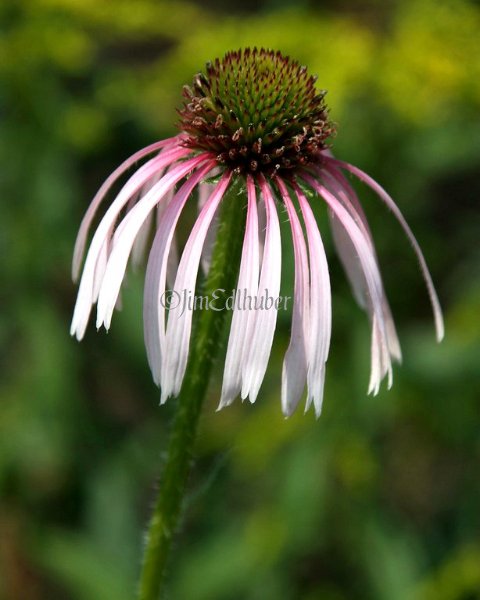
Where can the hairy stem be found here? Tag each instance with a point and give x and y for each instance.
(209, 324)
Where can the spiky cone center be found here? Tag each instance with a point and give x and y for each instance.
(256, 111)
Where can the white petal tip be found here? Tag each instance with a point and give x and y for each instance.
(440, 334)
(156, 379)
(101, 320)
(77, 331)
(224, 402)
(289, 406)
(317, 407)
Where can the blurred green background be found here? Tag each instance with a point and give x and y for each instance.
(380, 498)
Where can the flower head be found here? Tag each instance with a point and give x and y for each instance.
(256, 118)
(258, 112)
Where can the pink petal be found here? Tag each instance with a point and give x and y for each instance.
(157, 268)
(174, 359)
(100, 268)
(100, 195)
(437, 311)
(172, 263)
(243, 315)
(349, 258)
(269, 285)
(130, 226)
(85, 295)
(294, 373)
(372, 276)
(262, 226)
(139, 248)
(320, 320)
(204, 191)
(140, 245)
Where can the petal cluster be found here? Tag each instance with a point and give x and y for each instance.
(149, 205)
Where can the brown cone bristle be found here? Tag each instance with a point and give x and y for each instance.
(256, 111)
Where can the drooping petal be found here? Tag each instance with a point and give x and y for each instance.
(372, 277)
(82, 235)
(174, 359)
(139, 249)
(132, 223)
(378, 189)
(154, 303)
(243, 314)
(204, 191)
(172, 263)
(100, 268)
(294, 372)
(85, 296)
(336, 182)
(262, 226)
(140, 244)
(349, 259)
(320, 321)
(348, 196)
(268, 289)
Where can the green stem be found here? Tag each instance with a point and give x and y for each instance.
(209, 324)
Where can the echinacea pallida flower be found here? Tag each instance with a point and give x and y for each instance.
(255, 118)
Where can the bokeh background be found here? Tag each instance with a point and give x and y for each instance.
(380, 498)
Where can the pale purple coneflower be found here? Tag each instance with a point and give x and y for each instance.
(255, 117)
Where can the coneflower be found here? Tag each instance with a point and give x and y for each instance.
(254, 117)
(255, 139)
